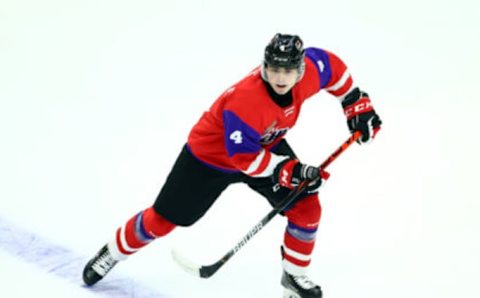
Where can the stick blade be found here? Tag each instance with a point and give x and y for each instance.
(186, 264)
(195, 269)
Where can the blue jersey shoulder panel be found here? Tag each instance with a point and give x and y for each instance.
(239, 136)
(322, 64)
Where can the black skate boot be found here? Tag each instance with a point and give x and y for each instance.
(98, 266)
(300, 287)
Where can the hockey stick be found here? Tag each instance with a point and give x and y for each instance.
(206, 271)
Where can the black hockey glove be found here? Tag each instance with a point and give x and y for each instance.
(289, 173)
(361, 116)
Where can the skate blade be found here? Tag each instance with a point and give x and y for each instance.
(290, 294)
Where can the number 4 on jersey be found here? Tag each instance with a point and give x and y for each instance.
(236, 137)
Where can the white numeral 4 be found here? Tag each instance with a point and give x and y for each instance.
(236, 136)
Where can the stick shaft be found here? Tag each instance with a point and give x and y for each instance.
(207, 271)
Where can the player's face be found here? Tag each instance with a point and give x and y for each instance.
(281, 79)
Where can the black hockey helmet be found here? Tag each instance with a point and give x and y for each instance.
(284, 51)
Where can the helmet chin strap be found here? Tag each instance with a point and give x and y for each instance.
(301, 71)
(263, 72)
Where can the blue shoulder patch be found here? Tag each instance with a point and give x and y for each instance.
(322, 63)
(239, 136)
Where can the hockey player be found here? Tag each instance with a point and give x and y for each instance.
(241, 139)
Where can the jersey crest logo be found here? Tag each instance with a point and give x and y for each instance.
(272, 133)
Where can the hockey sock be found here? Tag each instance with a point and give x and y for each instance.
(300, 234)
(139, 231)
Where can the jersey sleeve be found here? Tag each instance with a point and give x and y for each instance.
(243, 146)
(332, 71)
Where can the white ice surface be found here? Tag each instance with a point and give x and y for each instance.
(26, 280)
(97, 98)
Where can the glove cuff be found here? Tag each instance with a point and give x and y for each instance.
(351, 97)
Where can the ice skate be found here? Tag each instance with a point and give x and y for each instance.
(300, 287)
(98, 266)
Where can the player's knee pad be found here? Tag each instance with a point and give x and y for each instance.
(156, 225)
(305, 212)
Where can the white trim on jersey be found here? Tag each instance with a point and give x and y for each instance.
(274, 161)
(339, 84)
(256, 163)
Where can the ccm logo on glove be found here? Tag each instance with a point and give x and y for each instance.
(361, 116)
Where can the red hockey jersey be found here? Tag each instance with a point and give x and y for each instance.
(244, 123)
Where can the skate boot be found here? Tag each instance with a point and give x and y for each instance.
(300, 287)
(98, 266)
